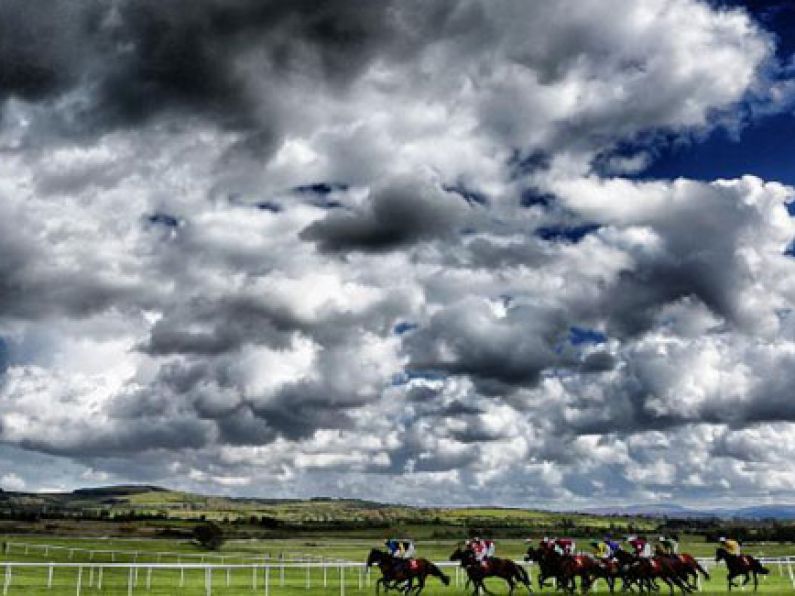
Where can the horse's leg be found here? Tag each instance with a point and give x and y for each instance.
(756, 581)
(511, 585)
(420, 584)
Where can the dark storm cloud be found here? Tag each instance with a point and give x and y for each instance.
(137, 59)
(401, 213)
(499, 354)
(212, 327)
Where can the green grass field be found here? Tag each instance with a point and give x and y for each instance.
(240, 581)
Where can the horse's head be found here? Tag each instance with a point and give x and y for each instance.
(375, 557)
(462, 554)
(533, 554)
(721, 553)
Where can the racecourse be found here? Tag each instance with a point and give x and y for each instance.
(273, 567)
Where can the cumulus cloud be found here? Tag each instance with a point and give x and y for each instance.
(244, 242)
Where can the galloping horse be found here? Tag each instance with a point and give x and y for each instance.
(665, 569)
(690, 568)
(400, 574)
(687, 567)
(478, 571)
(574, 566)
(741, 565)
(549, 565)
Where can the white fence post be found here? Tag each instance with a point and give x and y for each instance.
(7, 580)
(79, 579)
(49, 577)
(148, 578)
(99, 579)
(267, 579)
(342, 580)
(130, 582)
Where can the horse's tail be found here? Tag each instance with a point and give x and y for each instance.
(702, 571)
(521, 573)
(436, 572)
(758, 567)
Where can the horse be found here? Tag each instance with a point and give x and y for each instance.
(582, 566)
(478, 571)
(548, 564)
(745, 565)
(690, 568)
(400, 574)
(665, 569)
(686, 565)
(629, 569)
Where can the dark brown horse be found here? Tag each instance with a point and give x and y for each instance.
(582, 566)
(745, 565)
(549, 565)
(665, 569)
(689, 569)
(478, 571)
(399, 574)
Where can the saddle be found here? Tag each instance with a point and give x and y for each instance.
(413, 564)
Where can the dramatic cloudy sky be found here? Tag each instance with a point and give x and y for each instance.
(505, 251)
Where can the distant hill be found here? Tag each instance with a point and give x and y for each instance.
(783, 512)
(142, 501)
(673, 511)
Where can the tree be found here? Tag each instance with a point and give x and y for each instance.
(209, 535)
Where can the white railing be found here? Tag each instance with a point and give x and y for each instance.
(89, 575)
(266, 576)
(135, 555)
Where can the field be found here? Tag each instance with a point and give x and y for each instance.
(256, 554)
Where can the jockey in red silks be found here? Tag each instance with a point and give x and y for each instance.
(640, 546)
(564, 546)
(483, 549)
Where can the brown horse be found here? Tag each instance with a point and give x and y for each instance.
(582, 566)
(745, 565)
(687, 567)
(399, 574)
(478, 571)
(549, 565)
(665, 569)
(690, 568)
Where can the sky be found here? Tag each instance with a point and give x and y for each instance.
(510, 252)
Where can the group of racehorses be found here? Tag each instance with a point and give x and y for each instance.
(562, 571)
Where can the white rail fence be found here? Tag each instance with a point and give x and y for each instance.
(91, 554)
(265, 578)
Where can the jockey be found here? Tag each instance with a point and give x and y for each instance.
(600, 549)
(640, 546)
(669, 545)
(483, 549)
(563, 546)
(613, 545)
(732, 546)
(400, 549)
